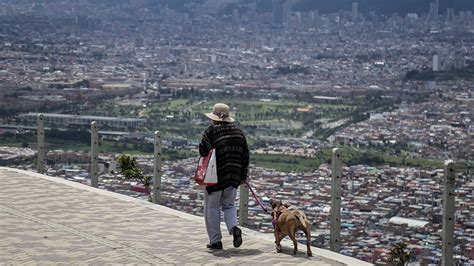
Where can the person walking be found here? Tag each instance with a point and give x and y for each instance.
(232, 159)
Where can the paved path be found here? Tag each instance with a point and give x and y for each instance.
(51, 220)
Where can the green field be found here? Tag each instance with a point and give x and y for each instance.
(181, 117)
(292, 114)
(350, 156)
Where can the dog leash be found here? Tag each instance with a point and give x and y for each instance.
(256, 198)
(274, 218)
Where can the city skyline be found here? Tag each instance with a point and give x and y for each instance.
(385, 7)
(392, 91)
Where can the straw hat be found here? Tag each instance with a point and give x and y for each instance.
(221, 113)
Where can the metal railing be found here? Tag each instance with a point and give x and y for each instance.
(41, 146)
(337, 174)
(94, 169)
(94, 154)
(336, 194)
(157, 169)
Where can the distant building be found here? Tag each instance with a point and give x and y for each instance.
(212, 58)
(277, 12)
(409, 222)
(430, 13)
(298, 19)
(355, 11)
(281, 12)
(311, 18)
(436, 10)
(450, 15)
(287, 7)
(469, 14)
(436, 63)
(316, 17)
(304, 109)
(139, 42)
(235, 16)
(412, 16)
(327, 99)
(84, 120)
(431, 85)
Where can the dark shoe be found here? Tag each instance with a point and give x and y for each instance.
(237, 233)
(217, 245)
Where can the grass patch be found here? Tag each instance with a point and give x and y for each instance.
(177, 103)
(256, 116)
(350, 156)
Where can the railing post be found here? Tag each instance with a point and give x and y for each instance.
(244, 204)
(157, 169)
(40, 143)
(94, 154)
(335, 243)
(448, 213)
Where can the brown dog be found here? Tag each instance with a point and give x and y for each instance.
(287, 222)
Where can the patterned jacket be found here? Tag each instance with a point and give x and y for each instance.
(232, 154)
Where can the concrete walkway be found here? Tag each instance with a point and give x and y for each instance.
(50, 220)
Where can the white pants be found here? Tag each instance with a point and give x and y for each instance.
(212, 213)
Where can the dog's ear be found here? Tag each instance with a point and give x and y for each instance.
(286, 204)
(274, 204)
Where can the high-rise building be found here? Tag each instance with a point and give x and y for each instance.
(411, 17)
(316, 17)
(311, 17)
(287, 7)
(277, 12)
(355, 11)
(281, 12)
(436, 63)
(298, 20)
(436, 10)
(469, 14)
(430, 13)
(235, 16)
(450, 15)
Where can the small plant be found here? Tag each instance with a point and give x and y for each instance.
(130, 170)
(399, 255)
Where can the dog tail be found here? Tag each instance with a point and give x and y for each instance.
(301, 219)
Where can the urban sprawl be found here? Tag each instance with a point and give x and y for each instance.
(394, 92)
